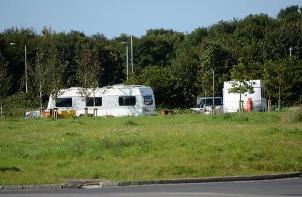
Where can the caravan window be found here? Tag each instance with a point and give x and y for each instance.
(63, 102)
(89, 101)
(148, 100)
(126, 100)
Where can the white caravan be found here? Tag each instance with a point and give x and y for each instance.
(116, 100)
(231, 100)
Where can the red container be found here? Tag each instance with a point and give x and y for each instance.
(249, 105)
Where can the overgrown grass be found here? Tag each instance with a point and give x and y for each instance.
(142, 148)
(294, 115)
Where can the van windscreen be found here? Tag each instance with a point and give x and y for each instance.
(148, 100)
(209, 101)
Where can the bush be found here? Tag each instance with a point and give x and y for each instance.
(16, 105)
(67, 114)
(294, 115)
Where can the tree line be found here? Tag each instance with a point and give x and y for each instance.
(178, 66)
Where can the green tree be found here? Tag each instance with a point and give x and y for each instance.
(241, 83)
(14, 54)
(271, 76)
(183, 72)
(213, 56)
(283, 80)
(49, 70)
(196, 37)
(159, 80)
(88, 69)
(112, 63)
(157, 47)
(68, 44)
(5, 80)
(291, 13)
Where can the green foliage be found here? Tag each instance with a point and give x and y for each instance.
(241, 82)
(294, 115)
(5, 80)
(159, 79)
(272, 77)
(286, 76)
(291, 13)
(16, 105)
(183, 73)
(213, 57)
(88, 67)
(196, 37)
(241, 87)
(157, 47)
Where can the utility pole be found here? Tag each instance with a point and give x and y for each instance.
(131, 51)
(25, 68)
(279, 95)
(127, 60)
(127, 66)
(213, 105)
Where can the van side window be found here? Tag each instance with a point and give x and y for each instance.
(64, 102)
(148, 100)
(126, 100)
(89, 101)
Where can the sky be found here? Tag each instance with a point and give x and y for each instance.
(115, 17)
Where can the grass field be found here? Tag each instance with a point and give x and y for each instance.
(142, 148)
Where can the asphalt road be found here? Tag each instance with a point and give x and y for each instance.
(269, 188)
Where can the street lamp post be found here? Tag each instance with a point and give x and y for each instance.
(25, 65)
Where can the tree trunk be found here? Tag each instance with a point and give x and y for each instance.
(269, 104)
(240, 102)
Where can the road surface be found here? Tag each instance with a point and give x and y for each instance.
(266, 188)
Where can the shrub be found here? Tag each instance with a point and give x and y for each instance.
(294, 115)
(16, 105)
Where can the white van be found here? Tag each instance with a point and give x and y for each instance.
(231, 100)
(116, 100)
(205, 105)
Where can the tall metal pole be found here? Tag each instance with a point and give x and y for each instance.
(213, 105)
(279, 89)
(131, 50)
(25, 68)
(127, 66)
(40, 80)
